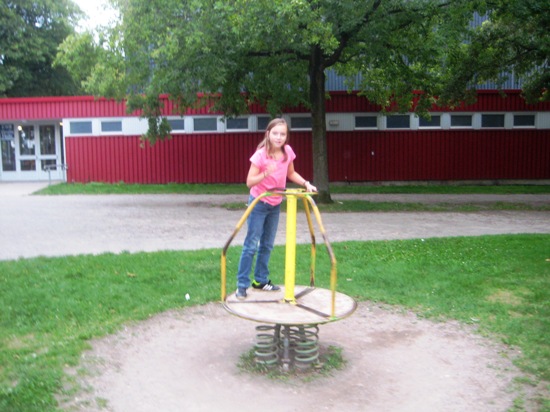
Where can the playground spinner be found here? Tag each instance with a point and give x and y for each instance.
(289, 334)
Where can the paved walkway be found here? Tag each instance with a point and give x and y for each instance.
(79, 224)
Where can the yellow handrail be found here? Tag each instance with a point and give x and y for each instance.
(240, 223)
(290, 258)
(333, 274)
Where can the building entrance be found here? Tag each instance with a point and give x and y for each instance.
(32, 152)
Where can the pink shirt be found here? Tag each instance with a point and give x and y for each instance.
(275, 179)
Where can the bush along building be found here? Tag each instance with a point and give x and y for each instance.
(82, 139)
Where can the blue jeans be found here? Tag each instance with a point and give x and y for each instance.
(262, 228)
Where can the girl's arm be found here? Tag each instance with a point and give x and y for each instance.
(295, 177)
(255, 176)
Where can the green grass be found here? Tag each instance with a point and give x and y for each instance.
(95, 188)
(51, 307)
(442, 189)
(337, 206)
(122, 188)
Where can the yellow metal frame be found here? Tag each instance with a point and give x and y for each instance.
(292, 196)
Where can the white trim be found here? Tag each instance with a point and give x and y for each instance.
(227, 130)
(542, 120)
(379, 121)
(299, 116)
(177, 118)
(335, 122)
(69, 121)
(416, 120)
(533, 126)
(397, 128)
(113, 132)
(471, 126)
(219, 124)
(492, 114)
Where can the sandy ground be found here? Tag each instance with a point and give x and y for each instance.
(186, 360)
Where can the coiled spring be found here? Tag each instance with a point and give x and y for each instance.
(267, 345)
(287, 345)
(305, 343)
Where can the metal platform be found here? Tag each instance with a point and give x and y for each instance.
(312, 306)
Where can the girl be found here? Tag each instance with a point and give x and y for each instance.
(271, 165)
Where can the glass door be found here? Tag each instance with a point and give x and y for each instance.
(49, 149)
(7, 147)
(31, 152)
(27, 152)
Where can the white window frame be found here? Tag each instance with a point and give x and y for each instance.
(472, 118)
(533, 126)
(503, 115)
(247, 129)
(376, 116)
(397, 128)
(111, 133)
(70, 121)
(177, 131)
(299, 116)
(256, 125)
(218, 121)
(420, 127)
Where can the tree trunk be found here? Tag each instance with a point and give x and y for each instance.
(319, 126)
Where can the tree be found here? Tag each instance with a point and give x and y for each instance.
(277, 53)
(30, 32)
(513, 40)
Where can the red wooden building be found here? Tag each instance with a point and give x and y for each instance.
(81, 139)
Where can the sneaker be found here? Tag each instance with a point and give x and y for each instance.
(241, 293)
(268, 287)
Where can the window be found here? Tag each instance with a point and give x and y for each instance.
(80, 127)
(47, 139)
(461, 120)
(28, 165)
(492, 120)
(524, 120)
(398, 122)
(434, 121)
(7, 146)
(49, 164)
(26, 141)
(176, 124)
(300, 122)
(263, 121)
(111, 126)
(237, 124)
(7, 132)
(205, 124)
(365, 122)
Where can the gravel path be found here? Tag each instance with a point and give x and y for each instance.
(79, 224)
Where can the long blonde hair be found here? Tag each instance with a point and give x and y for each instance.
(266, 143)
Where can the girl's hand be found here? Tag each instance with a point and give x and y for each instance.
(271, 167)
(310, 187)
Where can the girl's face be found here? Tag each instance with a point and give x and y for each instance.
(277, 136)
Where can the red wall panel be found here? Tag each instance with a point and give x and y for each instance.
(88, 107)
(352, 156)
(439, 155)
(197, 158)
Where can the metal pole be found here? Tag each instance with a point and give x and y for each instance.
(290, 256)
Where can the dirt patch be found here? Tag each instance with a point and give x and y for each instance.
(187, 360)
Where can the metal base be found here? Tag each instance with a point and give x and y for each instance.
(311, 307)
